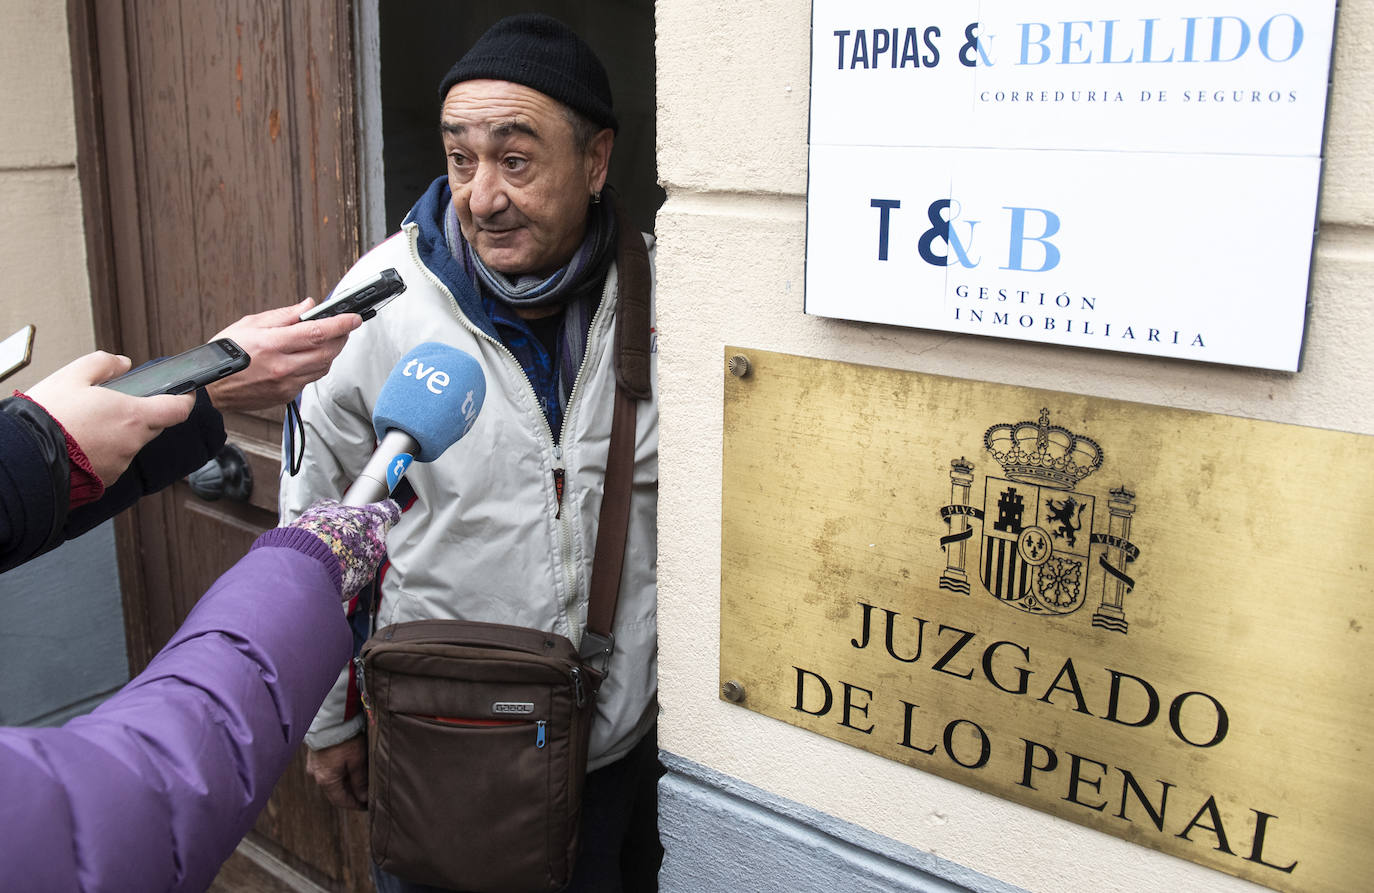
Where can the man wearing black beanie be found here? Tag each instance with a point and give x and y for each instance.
(522, 257)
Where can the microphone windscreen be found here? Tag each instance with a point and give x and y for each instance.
(433, 394)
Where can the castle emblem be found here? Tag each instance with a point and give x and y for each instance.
(1037, 550)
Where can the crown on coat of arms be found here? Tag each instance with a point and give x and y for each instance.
(1041, 453)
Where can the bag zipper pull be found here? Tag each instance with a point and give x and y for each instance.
(362, 687)
(577, 686)
(539, 737)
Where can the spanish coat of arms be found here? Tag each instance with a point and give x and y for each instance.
(1037, 550)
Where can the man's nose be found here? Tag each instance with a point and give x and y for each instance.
(488, 194)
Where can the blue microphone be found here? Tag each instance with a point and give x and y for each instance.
(429, 401)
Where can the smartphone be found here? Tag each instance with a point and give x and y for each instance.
(364, 300)
(184, 372)
(15, 352)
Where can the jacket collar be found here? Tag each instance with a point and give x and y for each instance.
(428, 216)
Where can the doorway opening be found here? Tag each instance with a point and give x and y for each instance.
(406, 48)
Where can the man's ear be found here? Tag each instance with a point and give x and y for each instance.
(599, 159)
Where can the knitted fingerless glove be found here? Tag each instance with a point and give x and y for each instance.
(355, 534)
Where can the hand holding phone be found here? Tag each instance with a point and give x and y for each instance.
(110, 428)
(287, 355)
(184, 372)
(365, 300)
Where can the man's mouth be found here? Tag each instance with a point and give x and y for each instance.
(497, 229)
(499, 236)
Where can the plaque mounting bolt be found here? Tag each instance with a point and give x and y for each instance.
(733, 692)
(739, 365)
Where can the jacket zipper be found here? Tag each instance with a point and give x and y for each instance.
(564, 526)
(564, 531)
(558, 472)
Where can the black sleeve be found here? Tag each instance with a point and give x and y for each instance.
(172, 455)
(35, 478)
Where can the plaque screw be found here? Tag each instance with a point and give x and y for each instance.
(733, 692)
(739, 365)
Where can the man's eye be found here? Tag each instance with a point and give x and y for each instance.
(457, 159)
(513, 162)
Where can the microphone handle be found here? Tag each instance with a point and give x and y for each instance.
(373, 484)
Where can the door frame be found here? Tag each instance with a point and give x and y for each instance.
(100, 73)
(367, 92)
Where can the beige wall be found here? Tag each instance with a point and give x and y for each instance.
(42, 246)
(732, 107)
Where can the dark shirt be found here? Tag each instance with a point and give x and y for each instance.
(535, 346)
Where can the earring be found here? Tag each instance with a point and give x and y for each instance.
(596, 198)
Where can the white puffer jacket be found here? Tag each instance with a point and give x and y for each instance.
(485, 539)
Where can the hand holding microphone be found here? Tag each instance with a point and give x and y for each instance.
(429, 401)
(355, 535)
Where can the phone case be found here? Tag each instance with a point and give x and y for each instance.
(366, 300)
(184, 372)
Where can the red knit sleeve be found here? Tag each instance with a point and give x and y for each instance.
(85, 485)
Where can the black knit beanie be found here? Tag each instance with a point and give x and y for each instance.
(543, 54)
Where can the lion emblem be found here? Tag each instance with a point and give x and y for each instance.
(1063, 513)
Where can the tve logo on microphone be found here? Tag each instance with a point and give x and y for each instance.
(435, 381)
(438, 378)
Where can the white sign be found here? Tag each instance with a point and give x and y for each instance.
(1144, 183)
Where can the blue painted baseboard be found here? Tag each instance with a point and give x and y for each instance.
(721, 835)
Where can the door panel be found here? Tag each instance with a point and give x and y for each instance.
(219, 173)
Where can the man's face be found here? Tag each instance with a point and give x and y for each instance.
(520, 183)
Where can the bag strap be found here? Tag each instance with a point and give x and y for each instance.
(612, 529)
(632, 383)
(632, 347)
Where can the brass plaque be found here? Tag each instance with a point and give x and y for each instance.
(1145, 620)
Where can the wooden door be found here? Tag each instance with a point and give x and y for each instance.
(216, 150)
